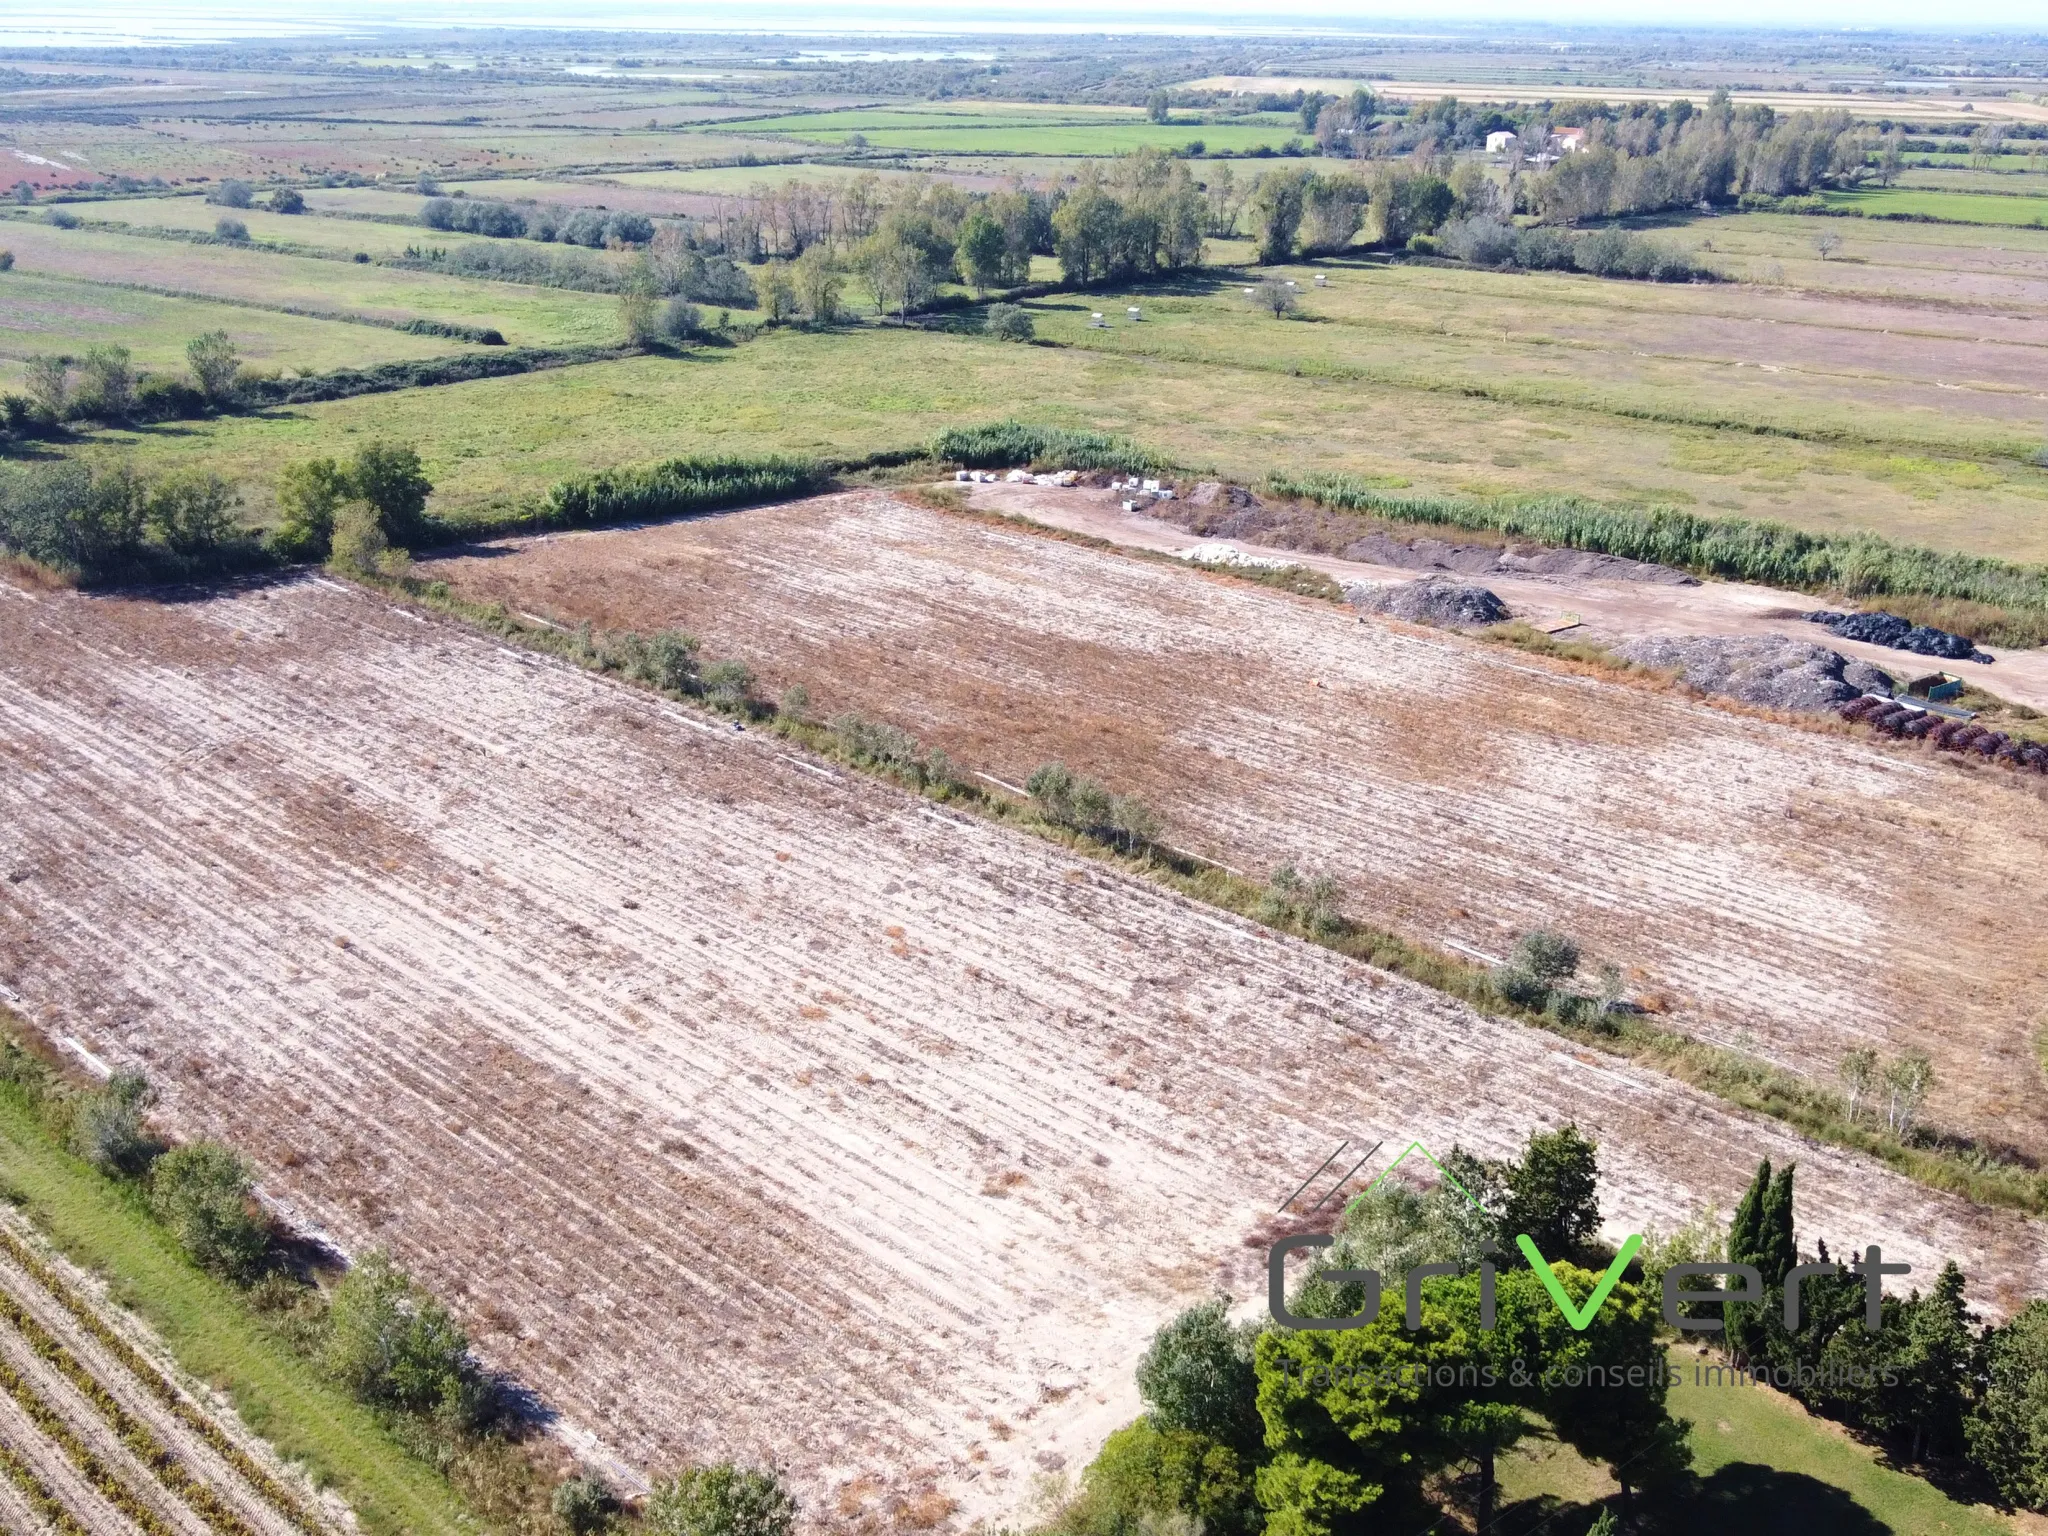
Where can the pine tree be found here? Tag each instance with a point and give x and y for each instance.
(1940, 1359)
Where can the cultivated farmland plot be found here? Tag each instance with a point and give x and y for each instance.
(740, 1106)
(1792, 894)
(97, 1434)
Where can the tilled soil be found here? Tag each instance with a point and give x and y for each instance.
(1778, 890)
(741, 1107)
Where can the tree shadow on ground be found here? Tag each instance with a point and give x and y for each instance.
(1764, 1501)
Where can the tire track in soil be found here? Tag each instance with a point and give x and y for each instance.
(737, 1111)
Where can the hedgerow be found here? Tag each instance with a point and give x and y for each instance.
(1738, 549)
(1004, 444)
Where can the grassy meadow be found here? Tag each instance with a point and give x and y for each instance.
(1766, 1467)
(1959, 207)
(39, 313)
(528, 316)
(858, 390)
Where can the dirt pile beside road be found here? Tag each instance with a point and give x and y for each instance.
(1760, 669)
(1435, 600)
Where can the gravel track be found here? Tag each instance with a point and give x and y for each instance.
(740, 1106)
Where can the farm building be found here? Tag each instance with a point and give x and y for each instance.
(1500, 143)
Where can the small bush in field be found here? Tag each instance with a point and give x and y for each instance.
(721, 1500)
(201, 1192)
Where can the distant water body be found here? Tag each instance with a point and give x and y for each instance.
(39, 24)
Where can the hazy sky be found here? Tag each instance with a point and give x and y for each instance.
(144, 20)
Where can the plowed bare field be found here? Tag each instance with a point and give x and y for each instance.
(94, 1423)
(1788, 893)
(739, 1106)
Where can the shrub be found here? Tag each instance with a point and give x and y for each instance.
(6, 261)
(287, 200)
(1149, 1480)
(193, 512)
(62, 218)
(74, 518)
(877, 744)
(107, 1127)
(1314, 907)
(48, 380)
(1481, 240)
(201, 1192)
(729, 685)
(391, 1345)
(232, 194)
(161, 398)
(721, 1500)
(677, 486)
(583, 1505)
(1547, 955)
(214, 364)
(106, 386)
(999, 444)
(234, 231)
(680, 320)
(1009, 322)
(356, 541)
(667, 659)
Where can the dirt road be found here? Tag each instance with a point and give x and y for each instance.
(1608, 610)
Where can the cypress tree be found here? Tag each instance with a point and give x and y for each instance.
(1776, 1253)
(1745, 1229)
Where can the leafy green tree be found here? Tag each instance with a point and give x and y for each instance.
(392, 1345)
(1276, 208)
(1199, 1376)
(1553, 1194)
(215, 367)
(389, 477)
(201, 1191)
(106, 384)
(818, 285)
(1159, 107)
(75, 517)
(193, 511)
(778, 292)
(48, 381)
(721, 1500)
(1357, 1418)
(2007, 1430)
(1086, 231)
(308, 494)
(1412, 203)
(232, 193)
(287, 200)
(983, 252)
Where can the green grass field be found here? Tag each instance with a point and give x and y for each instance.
(215, 1338)
(527, 316)
(1959, 207)
(1014, 134)
(39, 313)
(303, 231)
(1766, 1468)
(856, 391)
